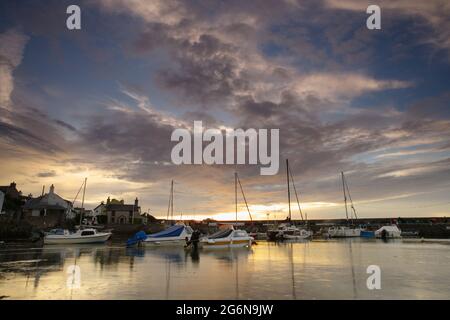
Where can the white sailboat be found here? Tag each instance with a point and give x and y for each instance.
(289, 231)
(230, 237)
(63, 236)
(350, 230)
(175, 235)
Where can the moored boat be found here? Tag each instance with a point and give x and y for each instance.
(344, 232)
(63, 236)
(288, 230)
(350, 230)
(227, 238)
(388, 232)
(175, 235)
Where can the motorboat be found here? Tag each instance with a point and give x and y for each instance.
(64, 236)
(286, 231)
(388, 232)
(175, 235)
(227, 238)
(344, 232)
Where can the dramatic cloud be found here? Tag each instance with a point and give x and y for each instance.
(12, 44)
(104, 103)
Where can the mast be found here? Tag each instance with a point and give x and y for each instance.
(245, 199)
(345, 195)
(82, 201)
(235, 194)
(353, 212)
(289, 190)
(171, 209)
(296, 195)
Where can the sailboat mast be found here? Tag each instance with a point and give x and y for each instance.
(345, 195)
(171, 202)
(82, 201)
(235, 194)
(245, 199)
(289, 190)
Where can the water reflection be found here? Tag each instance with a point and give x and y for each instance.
(308, 270)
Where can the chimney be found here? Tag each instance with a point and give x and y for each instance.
(52, 189)
(43, 190)
(136, 202)
(108, 200)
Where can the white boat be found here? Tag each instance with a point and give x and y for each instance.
(289, 231)
(175, 235)
(344, 232)
(63, 236)
(227, 238)
(388, 232)
(286, 231)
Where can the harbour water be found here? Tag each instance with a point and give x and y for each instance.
(334, 269)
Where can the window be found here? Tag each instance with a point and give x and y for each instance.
(87, 233)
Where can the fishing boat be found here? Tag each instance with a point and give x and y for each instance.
(62, 236)
(289, 231)
(175, 235)
(227, 238)
(388, 232)
(350, 230)
(86, 235)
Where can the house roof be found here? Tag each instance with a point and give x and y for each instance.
(42, 203)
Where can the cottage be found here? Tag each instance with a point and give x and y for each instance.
(13, 201)
(120, 213)
(48, 210)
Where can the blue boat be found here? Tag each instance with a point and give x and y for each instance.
(367, 234)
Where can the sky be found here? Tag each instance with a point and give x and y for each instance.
(103, 101)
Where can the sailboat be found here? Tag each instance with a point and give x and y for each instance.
(175, 235)
(350, 230)
(229, 237)
(89, 235)
(289, 231)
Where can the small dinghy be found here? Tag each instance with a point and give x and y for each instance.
(227, 238)
(63, 236)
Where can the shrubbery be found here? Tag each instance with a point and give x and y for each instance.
(14, 230)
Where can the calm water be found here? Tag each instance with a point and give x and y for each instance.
(310, 270)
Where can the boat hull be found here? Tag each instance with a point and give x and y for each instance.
(98, 238)
(164, 242)
(227, 244)
(345, 233)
